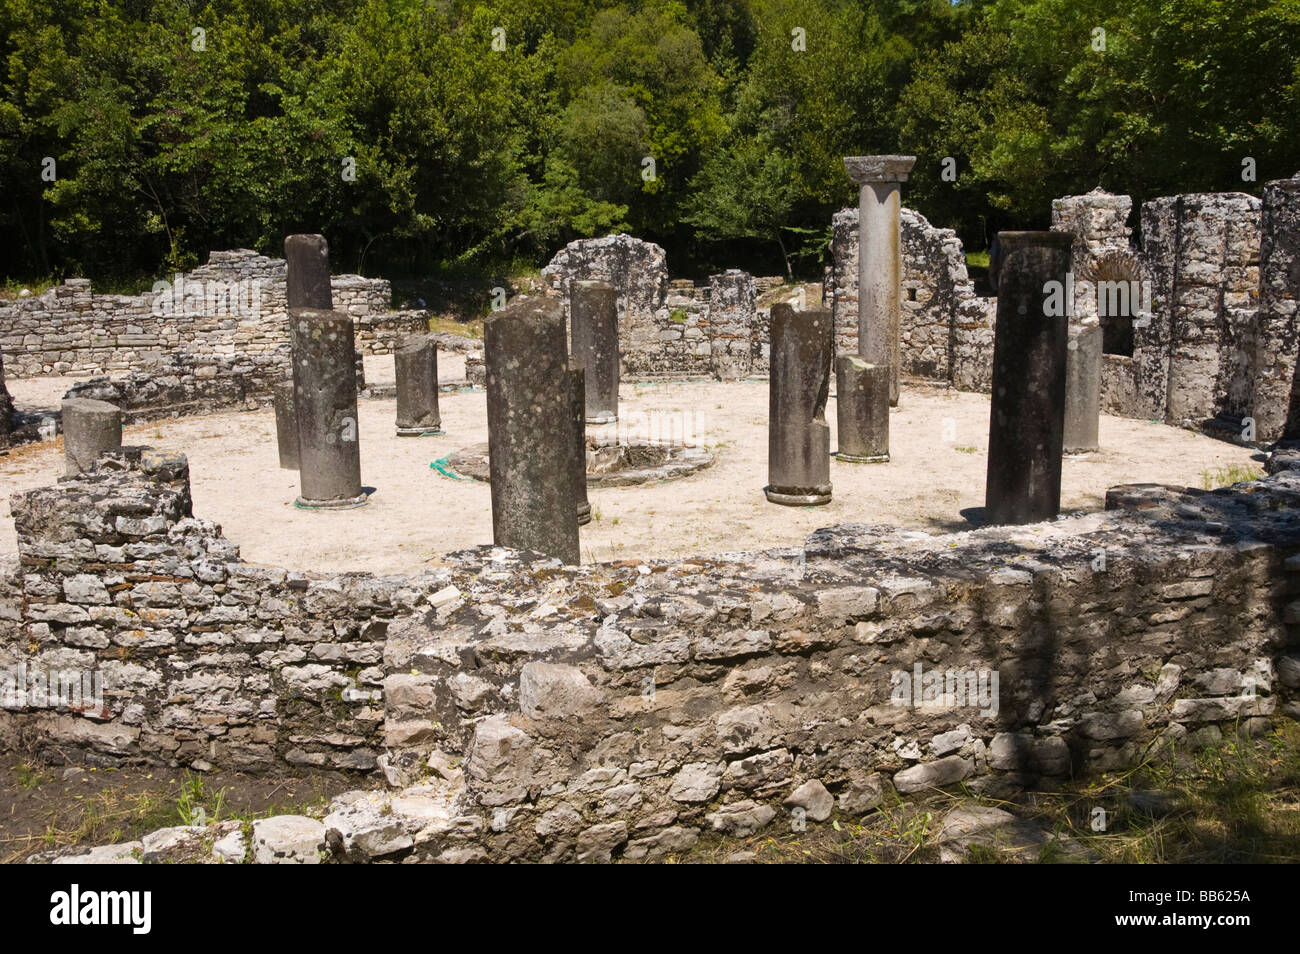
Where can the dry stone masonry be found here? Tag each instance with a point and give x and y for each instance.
(235, 305)
(530, 710)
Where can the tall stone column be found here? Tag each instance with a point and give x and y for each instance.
(1276, 398)
(593, 320)
(799, 441)
(325, 405)
(1027, 417)
(530, 429)
(1082, 389)
(90, 428)
(416, 365)
(307, 285)
(578, 414)
(286, 426)
(862, 411)
(880, 261)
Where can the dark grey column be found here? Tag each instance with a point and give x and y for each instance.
(325, 404)
(416, 365)
(307, 272)
(286, 426)
(862, 411)
(1027, 417)
(798, 439)
(578, 414)
(530, 429)
(593, 320)
(89, 429)
(1082, 389)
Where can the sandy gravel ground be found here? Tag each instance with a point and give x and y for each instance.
(939, 439)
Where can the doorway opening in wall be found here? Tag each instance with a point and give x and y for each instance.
(1117, 335)
(1114, 276)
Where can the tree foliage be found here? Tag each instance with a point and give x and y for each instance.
(483, 132)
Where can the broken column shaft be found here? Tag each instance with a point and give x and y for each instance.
(798, 456)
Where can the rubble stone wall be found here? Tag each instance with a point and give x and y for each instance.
(235, 308)
(669, 329)
(936, 289)
(205, 659)
(630, 709)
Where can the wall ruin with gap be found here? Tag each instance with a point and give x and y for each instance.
(627, 709)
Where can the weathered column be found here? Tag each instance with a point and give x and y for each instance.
(593, 320)
(862, 411)
(1276, 398)
(307, 272)
(416, 364)
(1027, 417)
(89, 429)
(530, 429)
(880, 261)
(307, 285)
(1082, 389)
(325, 405)
(286, 426)
(798, 439)
(578, 414)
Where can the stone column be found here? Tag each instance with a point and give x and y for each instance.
(880, 261)
(89, 429)
(530, 429)
(578, 414)
(798, 439)
(416, 364)
(862, 411)
(286, 425)
(1276, 398)
(593, 319)
(1082, 389)
(1027, 417)
(307, 273)
(325, 405)
(6, 407)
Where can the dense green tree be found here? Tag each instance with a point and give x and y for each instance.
(480, 132)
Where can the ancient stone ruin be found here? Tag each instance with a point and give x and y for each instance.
(518, 700)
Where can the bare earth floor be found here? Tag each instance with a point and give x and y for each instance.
(939, 439)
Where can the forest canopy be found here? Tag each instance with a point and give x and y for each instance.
(137, 135)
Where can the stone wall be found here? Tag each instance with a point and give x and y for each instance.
(205, 660)
(669, 329)
(639, 270)
(232, 306)
(631, 708)
(935, 290)
(1197, 359)
(1276, 398)
(1201, 253)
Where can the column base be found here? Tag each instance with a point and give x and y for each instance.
(603, 419)
(584, 514)
(855, 459)
(419, 431)
(815, 499)
(346, 503)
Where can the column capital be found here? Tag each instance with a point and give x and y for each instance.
(865, 170)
